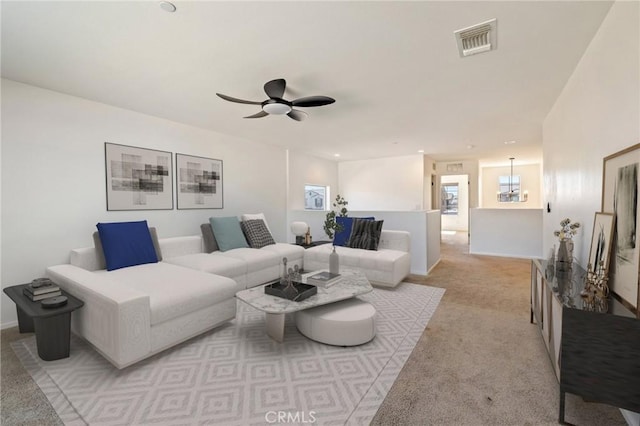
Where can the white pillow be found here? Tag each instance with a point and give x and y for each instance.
(255, 216)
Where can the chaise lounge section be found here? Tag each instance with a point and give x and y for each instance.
(386, 267)
(134, 312)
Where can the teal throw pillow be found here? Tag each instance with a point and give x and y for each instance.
(228, 233)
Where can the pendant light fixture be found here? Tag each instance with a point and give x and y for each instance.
(513, 194)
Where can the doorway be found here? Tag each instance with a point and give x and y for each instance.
(454, 203)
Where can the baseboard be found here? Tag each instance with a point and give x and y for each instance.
(434, 265)
(8, 324)
(513, 256)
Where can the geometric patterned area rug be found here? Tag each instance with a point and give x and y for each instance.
(236, 375)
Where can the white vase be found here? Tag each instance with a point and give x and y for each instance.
(334, 262)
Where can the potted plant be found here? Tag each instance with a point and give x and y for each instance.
(339, 210)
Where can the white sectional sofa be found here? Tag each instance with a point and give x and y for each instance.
(386, 267)
(132, 313)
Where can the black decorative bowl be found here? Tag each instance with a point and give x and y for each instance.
(302, 291)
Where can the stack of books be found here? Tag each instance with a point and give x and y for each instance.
(323, 279)
(41, 289)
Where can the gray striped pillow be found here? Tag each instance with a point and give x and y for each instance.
(365, 234)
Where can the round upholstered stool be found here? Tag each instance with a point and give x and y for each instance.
(346, 323)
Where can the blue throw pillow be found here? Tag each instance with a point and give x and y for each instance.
(228, 233)
(342, 237)
(126, 244)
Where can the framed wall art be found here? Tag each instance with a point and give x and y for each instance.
(601, 242)
(620, 197)
(199, 182)
(138, 178)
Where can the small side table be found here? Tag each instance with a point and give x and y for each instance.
(315, 243)
(51, 326)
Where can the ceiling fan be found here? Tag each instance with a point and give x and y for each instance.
(278, 106)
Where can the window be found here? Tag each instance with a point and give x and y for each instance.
(508, 188)
(315, 197)
(449, 196)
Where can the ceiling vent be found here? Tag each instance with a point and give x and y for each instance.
(454, 167)
(477, 38)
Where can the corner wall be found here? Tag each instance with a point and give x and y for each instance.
(389, 184)
(306, 169)
(53, 177)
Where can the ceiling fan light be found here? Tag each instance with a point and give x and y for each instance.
(276, 108)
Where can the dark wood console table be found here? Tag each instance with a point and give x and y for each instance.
(595, 355)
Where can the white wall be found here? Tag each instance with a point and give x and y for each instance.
(306, 169)
(530, 181)
(434, 238)
(506, 232)
(597, 114)
(394, 183)
(459, 222)
(53, 177)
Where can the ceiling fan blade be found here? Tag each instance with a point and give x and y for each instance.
(313, 101)
(258, 115)
(240, 101)
(297, 115)
(275, 88)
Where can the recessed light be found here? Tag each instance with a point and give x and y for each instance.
(167, 6)
(336, 155)
(509, 142)
(421, 151)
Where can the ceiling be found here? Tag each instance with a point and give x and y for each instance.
(393, 67)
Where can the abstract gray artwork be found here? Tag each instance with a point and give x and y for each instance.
(620, 183)
(199, 182)
(626, 205)
(138, 178)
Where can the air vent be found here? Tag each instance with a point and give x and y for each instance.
(454, 167)
(477, 38)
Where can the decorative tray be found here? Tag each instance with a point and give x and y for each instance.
(297, 292)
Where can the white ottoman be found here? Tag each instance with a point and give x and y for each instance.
(346, 323)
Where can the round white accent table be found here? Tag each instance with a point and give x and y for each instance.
(349, 322)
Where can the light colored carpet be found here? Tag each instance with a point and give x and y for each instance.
(237, 375)
(480, 361)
